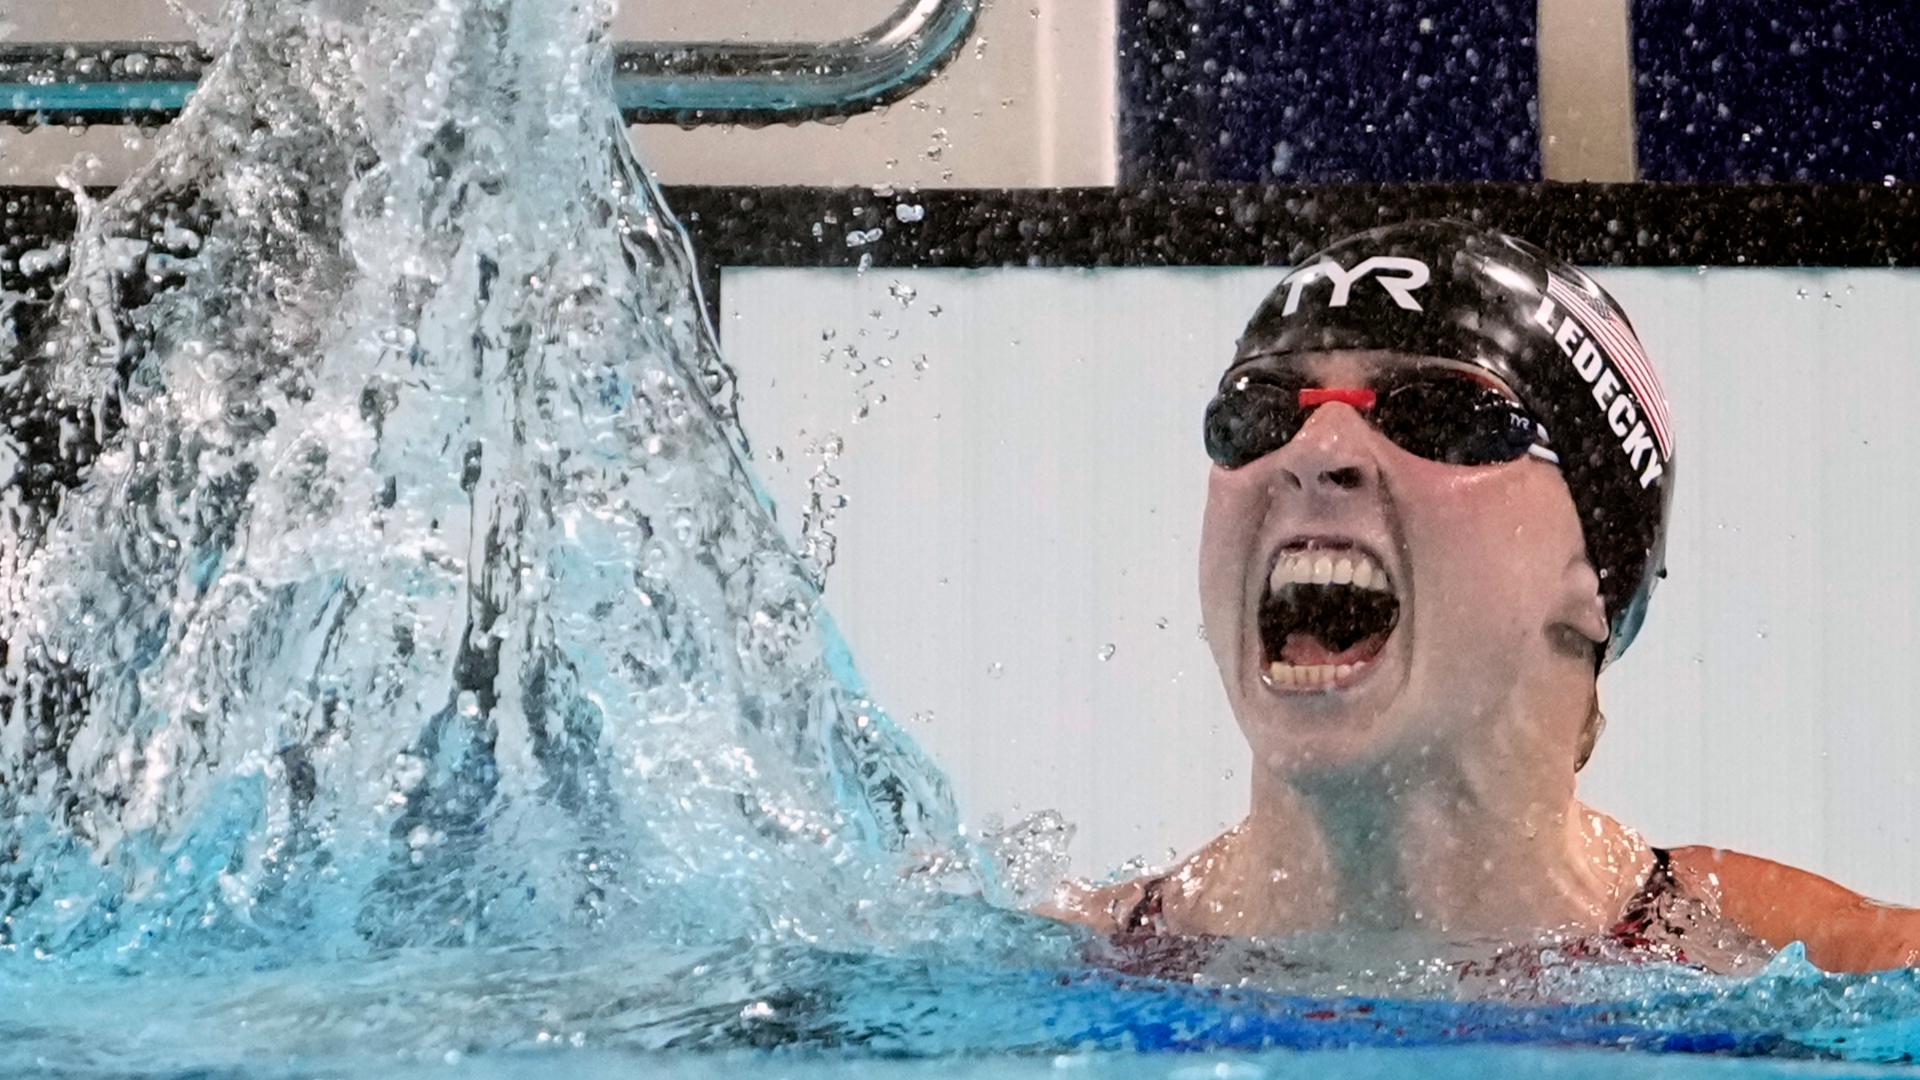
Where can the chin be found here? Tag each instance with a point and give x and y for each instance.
(1297, 752)
(1338, 724)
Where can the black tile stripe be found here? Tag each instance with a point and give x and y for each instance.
(1198, 224)
(1241, 225)
(1250, 225)
(1220, 224)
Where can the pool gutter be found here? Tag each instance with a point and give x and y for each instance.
(81, 84)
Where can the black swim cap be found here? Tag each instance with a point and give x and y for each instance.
(1456, 291)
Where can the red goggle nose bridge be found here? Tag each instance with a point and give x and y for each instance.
(1360, 399)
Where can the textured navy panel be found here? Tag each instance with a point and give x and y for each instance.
(1329, 90)
(1761, 90)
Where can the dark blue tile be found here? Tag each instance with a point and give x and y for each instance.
(1329, 90)
(1756, 90)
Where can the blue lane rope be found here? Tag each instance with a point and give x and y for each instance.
(106, 97)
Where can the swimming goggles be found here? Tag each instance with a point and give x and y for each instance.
(1438, 414)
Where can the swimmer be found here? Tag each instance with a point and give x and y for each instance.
(1442, 471)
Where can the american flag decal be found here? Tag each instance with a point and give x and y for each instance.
(1623, 349)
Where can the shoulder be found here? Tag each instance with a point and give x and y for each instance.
(1105, 909)
(1150, 901)
(1780, 904)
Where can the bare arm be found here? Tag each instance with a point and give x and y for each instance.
(1779, 904)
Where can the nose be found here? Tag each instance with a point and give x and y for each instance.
(1331, 454)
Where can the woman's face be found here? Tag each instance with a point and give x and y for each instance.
(1488, 592)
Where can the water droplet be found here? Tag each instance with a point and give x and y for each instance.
(1107, 651)
(996, 670)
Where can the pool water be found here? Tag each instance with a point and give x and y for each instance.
(775, 1010)
(406, 673)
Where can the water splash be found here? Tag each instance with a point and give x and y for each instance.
(399, 579)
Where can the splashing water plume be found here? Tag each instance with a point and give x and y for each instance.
(415, 590)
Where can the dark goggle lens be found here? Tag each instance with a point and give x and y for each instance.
(1250, 419)
(1454, 420)
(1451, 419)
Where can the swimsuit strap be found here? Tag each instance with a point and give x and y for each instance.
(1149, 914)
(1644, 909)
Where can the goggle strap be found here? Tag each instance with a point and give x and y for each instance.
(1360, 398)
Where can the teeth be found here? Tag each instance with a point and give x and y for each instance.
(1312, 676)
(1355, 568)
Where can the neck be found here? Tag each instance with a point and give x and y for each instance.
(1448, 844)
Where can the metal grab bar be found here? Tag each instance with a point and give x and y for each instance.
(694, 82)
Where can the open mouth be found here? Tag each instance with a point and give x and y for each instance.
(1326, 615)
